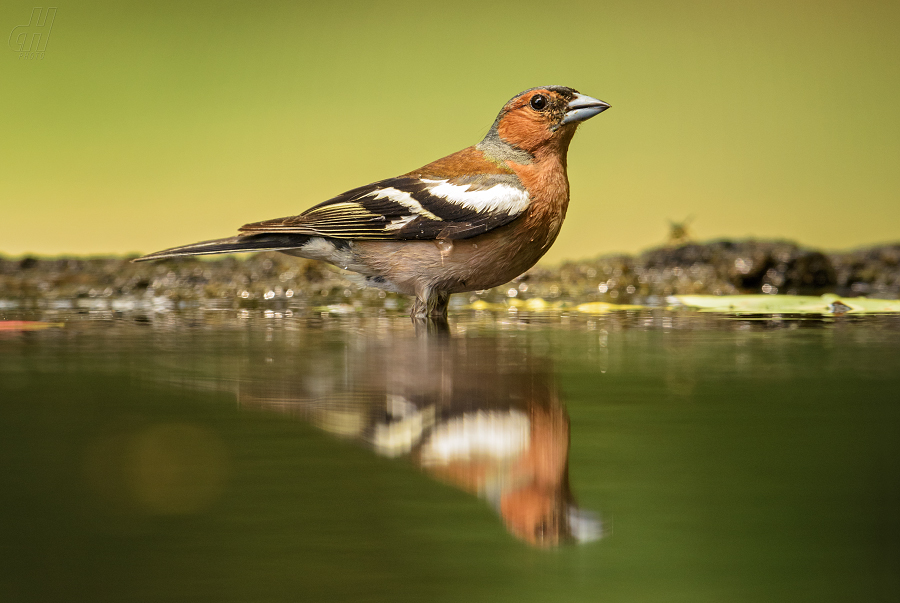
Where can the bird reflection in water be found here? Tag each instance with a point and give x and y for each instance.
(480, 414)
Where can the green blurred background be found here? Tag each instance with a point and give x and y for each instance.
(156, 124)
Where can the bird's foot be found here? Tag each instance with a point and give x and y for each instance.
(429, 313)
(432, 305)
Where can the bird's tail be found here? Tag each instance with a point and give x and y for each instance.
(237, 244)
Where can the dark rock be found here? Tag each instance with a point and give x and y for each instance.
(810, 273)
(27, 263)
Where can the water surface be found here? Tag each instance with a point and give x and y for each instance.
(252, 456)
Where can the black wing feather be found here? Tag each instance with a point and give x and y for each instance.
(368, 213)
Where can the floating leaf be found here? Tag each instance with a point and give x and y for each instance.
(27, 325)
(535, 304)
(483, 305)
(786, 304)
(604, 308)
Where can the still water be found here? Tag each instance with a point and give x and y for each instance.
(642, 456)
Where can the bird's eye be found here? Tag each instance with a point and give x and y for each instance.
(538, 102)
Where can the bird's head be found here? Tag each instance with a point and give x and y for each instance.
(540, 120)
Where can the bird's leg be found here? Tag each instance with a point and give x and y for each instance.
(429, 313)
(436, 304)
(418, 309)
(430, 303)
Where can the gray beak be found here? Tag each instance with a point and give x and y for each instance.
(583, 107)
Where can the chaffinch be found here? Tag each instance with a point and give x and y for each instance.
(473, 220)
